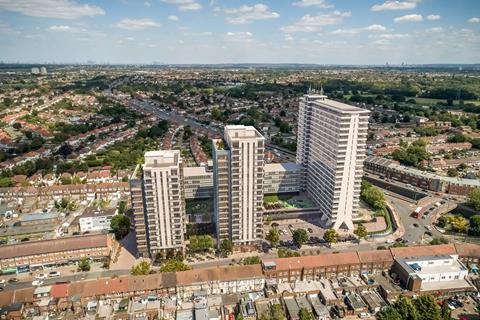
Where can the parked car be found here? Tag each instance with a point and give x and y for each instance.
(364, 315)
(54, 274)
(37, 283)
(12, 280)
(41, 276)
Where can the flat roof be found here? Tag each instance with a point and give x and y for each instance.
(445, 285)
(161, 158)
(39, 216)
(97, 212)
(280, 167)
(196, 171)
(332, 104)
(241, 132)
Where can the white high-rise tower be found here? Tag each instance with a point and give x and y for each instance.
(331, 144)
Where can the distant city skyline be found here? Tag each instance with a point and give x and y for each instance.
(216, 32)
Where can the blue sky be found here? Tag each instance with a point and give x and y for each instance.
(235, 31)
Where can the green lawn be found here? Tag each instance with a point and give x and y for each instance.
(199, 206)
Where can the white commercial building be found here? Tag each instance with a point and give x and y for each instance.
(429, 273)
(238, 181)
(164, 203)
(95, 219)
(331, 144)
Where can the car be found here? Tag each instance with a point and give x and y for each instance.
(415, 225)
(12, 280)
(389, 241)
(428, 227)
(54, 274)
(2, 282)
(37, 283)
(450, 305)
(399, 239)
(41, 276)
(310, 230)
(364, 315)
(429, 233)
(275, 224)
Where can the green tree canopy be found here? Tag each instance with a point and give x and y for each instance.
(389, 313)
(273, 237)
(143, 268)
(174, 265)
(373, 196)
(226, 247)
(474, 198)
(300, 236)
(331, 236)
(361, 231)
(200, 242)
(427, 308)
(120, 225)
(305, 314)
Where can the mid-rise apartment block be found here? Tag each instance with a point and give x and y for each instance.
(163, 203)
(238, 185)
(331, 146)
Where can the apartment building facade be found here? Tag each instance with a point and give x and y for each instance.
(164, 202)
(238, 185)
(331, 145)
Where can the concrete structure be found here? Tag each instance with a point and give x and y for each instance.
(96, 219)
(238, 181)
(429, 272)
(331, 144)
(198, 182)
(283, 178)
(164, 202)
(137, 199)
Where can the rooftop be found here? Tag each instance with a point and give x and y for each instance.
(241, 132)
(332, 104)
(279, 167)
(162, 158)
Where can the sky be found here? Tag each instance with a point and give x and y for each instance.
(240, 31)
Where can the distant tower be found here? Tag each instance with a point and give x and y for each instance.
(331, 144)
(35, 70)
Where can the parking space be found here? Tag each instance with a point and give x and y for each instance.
(286, 227)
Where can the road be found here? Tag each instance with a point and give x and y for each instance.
(71, 278)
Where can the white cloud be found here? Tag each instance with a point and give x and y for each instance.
(288, 37)
(68, 29)
(435, 29)
(474, 20)
(394, 5)
(354, 31)
(239, 36)
(390, 36)
(137, 24)
(310, 23)
(184, 5)
(57, 9)
(173, 18)
(433, 17)
(322, 4)
(409, 18)
(247, 14)
(147, 4)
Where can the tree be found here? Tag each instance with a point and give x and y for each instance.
(445, 312)
(273, 237)
(121, 207)
(251, 260)
(389, 313)
(143, 268)
(361, 231)
(269, 220)
(442, 221)
(474, 198)
(174, 265)
(474, 229)
(200, 242)
(406, 309)
(6, 182)
(305, 314)
(84, 265)
(331, 236)
(300, 236)
(427, 308)
(65, 150)
(458, 223)
(452, 172)
(226, 247)
(120, 225)
(373, 196)
(277, 313)
(285, 253)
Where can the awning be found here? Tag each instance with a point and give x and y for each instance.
(9, 271)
